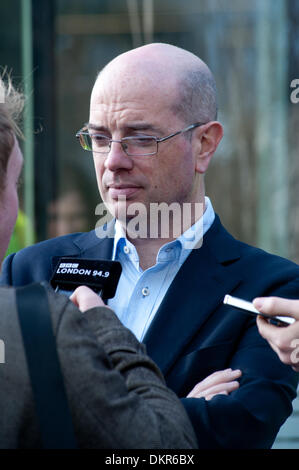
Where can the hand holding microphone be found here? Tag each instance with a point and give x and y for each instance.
(284, 341)
(85, 298)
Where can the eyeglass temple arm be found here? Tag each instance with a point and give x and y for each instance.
(189, 128)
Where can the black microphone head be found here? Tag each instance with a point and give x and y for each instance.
(101, 276)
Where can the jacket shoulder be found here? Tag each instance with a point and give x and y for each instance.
(34, 263)
(54, 246)
(254, 264)
(265, 259)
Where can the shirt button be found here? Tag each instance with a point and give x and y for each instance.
(126, 249)
(145, 291)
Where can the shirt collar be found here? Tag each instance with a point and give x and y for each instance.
(119, 239)
(190, 239)
(193, 237)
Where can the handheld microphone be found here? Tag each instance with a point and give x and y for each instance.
(245, 306)
(99, 275)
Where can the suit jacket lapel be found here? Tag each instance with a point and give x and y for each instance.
(97, 244)
(199, 286)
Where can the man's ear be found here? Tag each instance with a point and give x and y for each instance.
(206, 141)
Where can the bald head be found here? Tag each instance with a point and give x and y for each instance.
(181, 74)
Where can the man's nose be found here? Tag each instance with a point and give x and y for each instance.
(117, 158)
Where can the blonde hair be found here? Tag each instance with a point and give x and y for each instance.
(11, 107)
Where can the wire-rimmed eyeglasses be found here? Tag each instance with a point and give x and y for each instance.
(141, 145)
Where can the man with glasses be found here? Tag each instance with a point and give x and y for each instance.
(141, 146)
(116, 394)
(152, 132)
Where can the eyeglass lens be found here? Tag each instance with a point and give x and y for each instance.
(132, 146)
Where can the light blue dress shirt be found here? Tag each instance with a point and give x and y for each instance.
(139, 293)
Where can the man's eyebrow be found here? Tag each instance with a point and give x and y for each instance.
(142, 126)
(135, 126)
(89, 125)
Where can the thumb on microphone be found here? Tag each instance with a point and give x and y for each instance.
(85, 298)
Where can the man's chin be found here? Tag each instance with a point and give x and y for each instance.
(126, 210)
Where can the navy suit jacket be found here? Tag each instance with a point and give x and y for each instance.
(194, 334)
